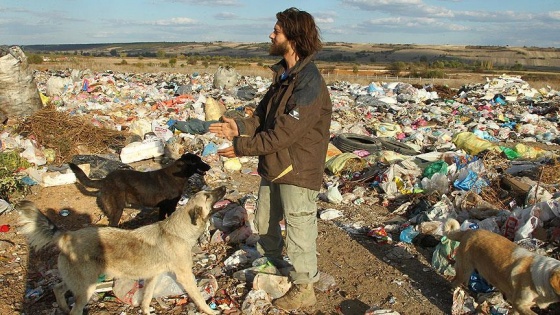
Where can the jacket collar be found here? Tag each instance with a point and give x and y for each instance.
(280, 67)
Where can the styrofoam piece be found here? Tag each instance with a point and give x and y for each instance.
(48, 179)
(138, 151)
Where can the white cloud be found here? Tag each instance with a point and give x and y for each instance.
(400, 7)
(226, 16)
(553, 15)
(327, 20)
(175, 21)
(208, 2)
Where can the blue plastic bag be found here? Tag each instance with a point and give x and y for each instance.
(408, 234)
(478, 284)
(209, 149)
(471, 182)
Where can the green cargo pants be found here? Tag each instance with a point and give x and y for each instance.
(298, 207)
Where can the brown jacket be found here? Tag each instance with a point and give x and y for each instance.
(289, 130)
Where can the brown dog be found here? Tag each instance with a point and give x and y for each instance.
(524, 278)
(162, 188)
(143, 253)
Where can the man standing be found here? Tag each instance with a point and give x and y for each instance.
(289, 131)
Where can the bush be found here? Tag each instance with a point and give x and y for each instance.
(34, 59)
(11, 183)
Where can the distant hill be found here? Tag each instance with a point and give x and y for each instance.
(543, 59)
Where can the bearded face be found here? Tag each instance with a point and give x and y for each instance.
(278, 48)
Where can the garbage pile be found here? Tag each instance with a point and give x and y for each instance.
(486, 154)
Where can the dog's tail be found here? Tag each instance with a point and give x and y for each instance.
(40, 231)
(82, 177)
(452, 230)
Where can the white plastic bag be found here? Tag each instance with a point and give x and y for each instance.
(333, 194)
(225, 77)
(19, 95)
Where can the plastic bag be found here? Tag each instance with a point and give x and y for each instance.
(438, 182)
(333, 194)
(336, 164)
(510, 153)
(213, 110)
(471, 143)
(470, 180)
(478, 284)
(443, 257)
(225, 77)
(435, 167)
(19, 95)
(525, 230)
(408, 234)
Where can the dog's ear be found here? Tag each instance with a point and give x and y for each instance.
(555, 281)
(195, 213)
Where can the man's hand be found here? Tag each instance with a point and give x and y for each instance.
(228, 152)
(226, 129)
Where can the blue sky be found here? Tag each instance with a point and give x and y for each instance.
(454, 22)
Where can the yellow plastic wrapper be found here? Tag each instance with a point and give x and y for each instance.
(232, 164)
(44, 99)
(472, 144)
(50, 155)
(213, 110)
(527, 152)
(386, 129)
(332, 151)
(336, 164)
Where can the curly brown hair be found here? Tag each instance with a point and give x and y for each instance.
(300, 29)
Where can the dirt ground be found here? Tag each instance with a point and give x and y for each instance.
(391, 276)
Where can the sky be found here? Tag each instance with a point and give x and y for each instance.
(429, 22)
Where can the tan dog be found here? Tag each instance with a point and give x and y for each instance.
(524, 278)
(143, 253)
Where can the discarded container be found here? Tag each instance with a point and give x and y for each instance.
(138, 151)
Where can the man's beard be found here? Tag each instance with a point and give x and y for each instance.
(278, 49)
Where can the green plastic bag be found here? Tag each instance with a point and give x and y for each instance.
(443, 257)
(510, 153)
(435, 167)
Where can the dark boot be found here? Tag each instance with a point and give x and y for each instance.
(299, 296)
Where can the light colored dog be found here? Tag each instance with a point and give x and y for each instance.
(524, 278)
(142, 253)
